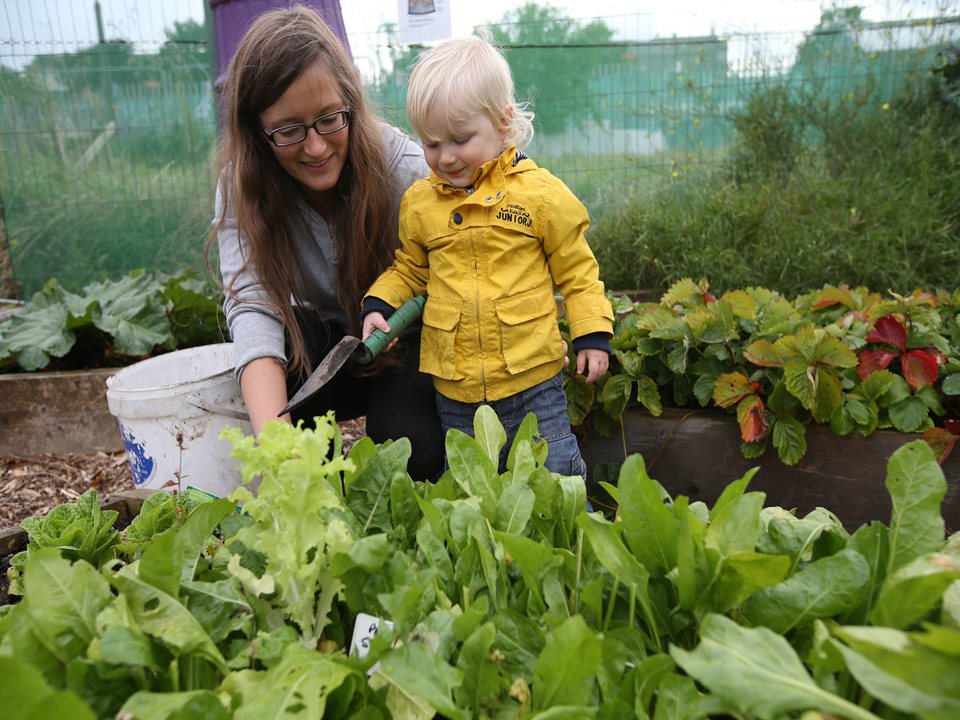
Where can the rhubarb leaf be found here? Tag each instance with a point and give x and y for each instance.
(37, 333)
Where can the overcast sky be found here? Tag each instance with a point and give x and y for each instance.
(646, 19)
(31, 26)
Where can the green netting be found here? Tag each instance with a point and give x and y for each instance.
(105, 154)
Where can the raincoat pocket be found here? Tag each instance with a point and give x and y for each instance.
(529, 335)
(438, 339)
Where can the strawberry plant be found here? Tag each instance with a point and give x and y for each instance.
(483, 588)
(844, 357)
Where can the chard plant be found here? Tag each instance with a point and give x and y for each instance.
(846, 358)
(497, 595)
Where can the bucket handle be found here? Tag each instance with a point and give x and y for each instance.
(198, 402)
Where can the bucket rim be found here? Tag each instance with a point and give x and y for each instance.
(113, 380)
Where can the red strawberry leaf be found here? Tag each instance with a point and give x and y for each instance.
(731, 388)
(920, 368)
(941, 441)
(890, 331)
(752, 420)
(829, 297)
(873, 360)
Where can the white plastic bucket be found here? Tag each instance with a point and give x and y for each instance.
(171, 409)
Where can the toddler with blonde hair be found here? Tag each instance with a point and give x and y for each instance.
(488, 237)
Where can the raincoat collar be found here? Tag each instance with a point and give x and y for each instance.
(493, 172)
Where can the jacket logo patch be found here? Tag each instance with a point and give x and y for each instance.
(514, 213)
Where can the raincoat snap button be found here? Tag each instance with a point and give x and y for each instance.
(457, 218)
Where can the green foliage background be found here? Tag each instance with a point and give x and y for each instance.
(814, 192)
(839, 168)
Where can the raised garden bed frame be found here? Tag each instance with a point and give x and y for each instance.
(697, 453)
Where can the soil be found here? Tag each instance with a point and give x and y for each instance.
(32, 485)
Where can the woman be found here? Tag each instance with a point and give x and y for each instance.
(306, 218)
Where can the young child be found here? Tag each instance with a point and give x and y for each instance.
(487, 237)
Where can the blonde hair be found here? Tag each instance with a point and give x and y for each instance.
(461, 77)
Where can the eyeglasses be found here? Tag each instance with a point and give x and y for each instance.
(324, 125)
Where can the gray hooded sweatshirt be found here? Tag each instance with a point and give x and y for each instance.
(255, 328)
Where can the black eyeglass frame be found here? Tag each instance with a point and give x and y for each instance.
(306, 128)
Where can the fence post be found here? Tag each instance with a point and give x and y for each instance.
(9, 287)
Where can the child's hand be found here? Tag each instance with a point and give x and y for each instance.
(594, 362)
(374, 321)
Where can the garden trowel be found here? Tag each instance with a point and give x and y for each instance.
(362, 352)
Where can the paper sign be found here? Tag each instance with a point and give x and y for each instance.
(364, 631)
(423, 20)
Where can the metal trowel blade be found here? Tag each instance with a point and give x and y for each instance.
(329, 367)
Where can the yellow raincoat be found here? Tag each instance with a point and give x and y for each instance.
(488, 261)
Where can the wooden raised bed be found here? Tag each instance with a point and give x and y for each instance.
(63, 412)
(697, 453)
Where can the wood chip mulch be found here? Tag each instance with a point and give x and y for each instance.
(32, 485)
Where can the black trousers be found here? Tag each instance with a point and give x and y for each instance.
(398, 401)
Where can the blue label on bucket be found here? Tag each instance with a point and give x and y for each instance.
(141, 465)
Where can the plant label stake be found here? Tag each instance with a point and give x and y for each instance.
(362, 351)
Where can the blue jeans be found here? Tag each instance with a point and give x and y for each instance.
(547, 401)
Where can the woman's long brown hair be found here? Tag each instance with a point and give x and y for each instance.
(275, 51)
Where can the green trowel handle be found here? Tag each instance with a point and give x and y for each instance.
(405, 314)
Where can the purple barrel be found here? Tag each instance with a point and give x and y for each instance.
(231, 18)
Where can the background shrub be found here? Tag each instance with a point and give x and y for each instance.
(813, 193)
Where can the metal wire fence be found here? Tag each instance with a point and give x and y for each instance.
(106, 138)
